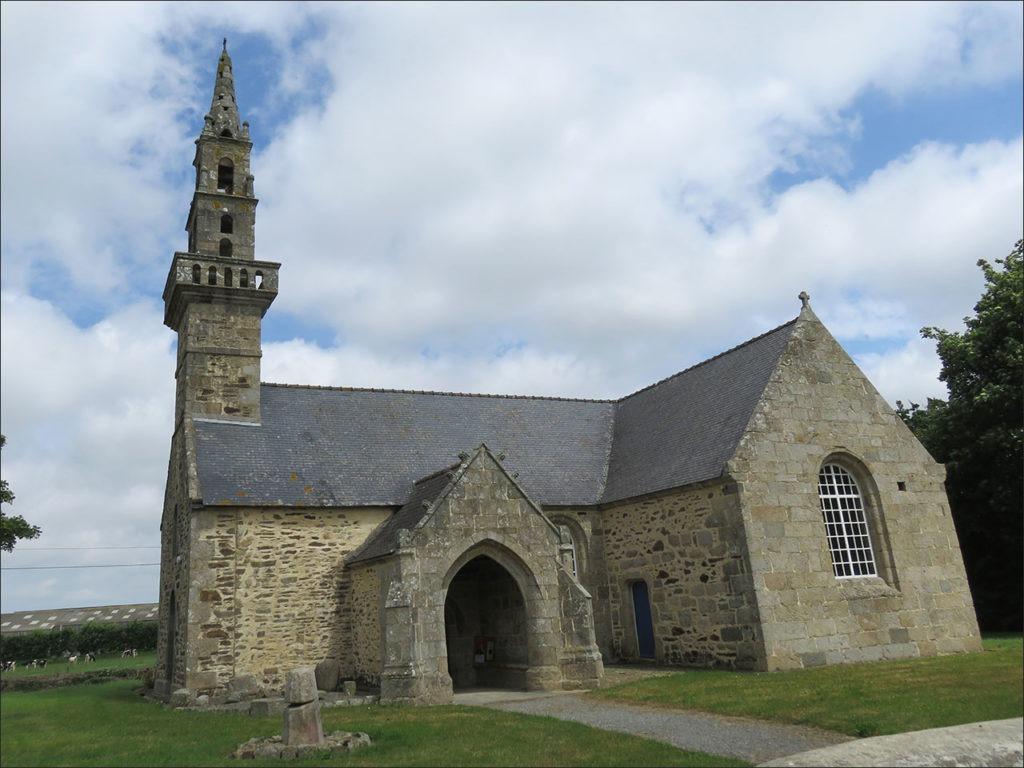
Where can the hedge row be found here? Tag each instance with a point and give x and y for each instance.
(94, 638)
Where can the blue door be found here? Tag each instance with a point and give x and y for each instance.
(644, 625)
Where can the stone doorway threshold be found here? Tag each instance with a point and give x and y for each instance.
(483, 697)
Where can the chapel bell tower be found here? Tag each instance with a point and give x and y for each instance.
(217, 293)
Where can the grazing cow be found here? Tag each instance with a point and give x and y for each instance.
(73, 659)
(8, 666)
(90, 656)
(128, 653)
(39, 663)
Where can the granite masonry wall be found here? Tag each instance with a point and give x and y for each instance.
(218, 373)
(818, 406)
(688, 546)
(267, 592)
(366, 604)
(591, 571)
(174, 571)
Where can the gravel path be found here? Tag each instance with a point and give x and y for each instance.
(753, 740)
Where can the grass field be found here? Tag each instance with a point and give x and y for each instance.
(857, 699)
(110, 725)
(59, 666)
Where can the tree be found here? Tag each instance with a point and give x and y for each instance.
(978, 433)
(12, 527)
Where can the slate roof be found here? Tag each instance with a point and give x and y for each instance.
(385, 538)
(319, 446)
(683, 429)
(357, 447)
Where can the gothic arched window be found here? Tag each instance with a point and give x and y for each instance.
(227, 224)
(225, 248)
(226, 176)
(846, 523)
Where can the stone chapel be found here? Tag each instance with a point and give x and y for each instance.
(762, 510)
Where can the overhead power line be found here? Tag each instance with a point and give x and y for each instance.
(56, 567)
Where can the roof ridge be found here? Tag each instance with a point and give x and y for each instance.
(708, 360)
(435, 392)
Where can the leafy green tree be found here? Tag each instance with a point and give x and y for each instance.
(12, 527)
(978, 433)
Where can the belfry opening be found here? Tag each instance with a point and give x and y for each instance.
(485, 618)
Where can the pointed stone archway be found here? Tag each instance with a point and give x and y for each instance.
(485, 619)
(505, 616)
(482, 566)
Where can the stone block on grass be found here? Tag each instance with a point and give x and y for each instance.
(300, 686)
(302, 724)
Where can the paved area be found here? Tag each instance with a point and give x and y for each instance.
(752, 740)
(992, 743)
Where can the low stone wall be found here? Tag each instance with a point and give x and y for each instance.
(42, 682)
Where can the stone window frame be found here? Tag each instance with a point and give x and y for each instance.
(578, 544)
(885, 572)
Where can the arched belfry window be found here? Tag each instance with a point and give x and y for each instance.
(257, 280)
(243, 278)
(846, 523)
(228, 277)
(197, 273)
(226, 176)
(212, 276)
(227, 224)
(225, 248)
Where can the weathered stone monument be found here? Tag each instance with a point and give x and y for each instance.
(302, 723)
(303, 731)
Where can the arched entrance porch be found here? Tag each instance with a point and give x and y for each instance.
(485, 618)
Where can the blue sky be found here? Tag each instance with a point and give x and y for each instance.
(551, 198)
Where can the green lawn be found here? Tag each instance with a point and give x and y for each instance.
(858, 699)
(110, 725)
(60, 666)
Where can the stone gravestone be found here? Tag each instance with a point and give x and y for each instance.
(302, 717)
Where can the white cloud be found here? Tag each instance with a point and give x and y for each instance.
(88, 415)
(567, 199)
(909, 373)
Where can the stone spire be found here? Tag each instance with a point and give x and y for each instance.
(217, 291)
(223, 120)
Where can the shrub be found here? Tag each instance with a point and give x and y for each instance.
(95, 638)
